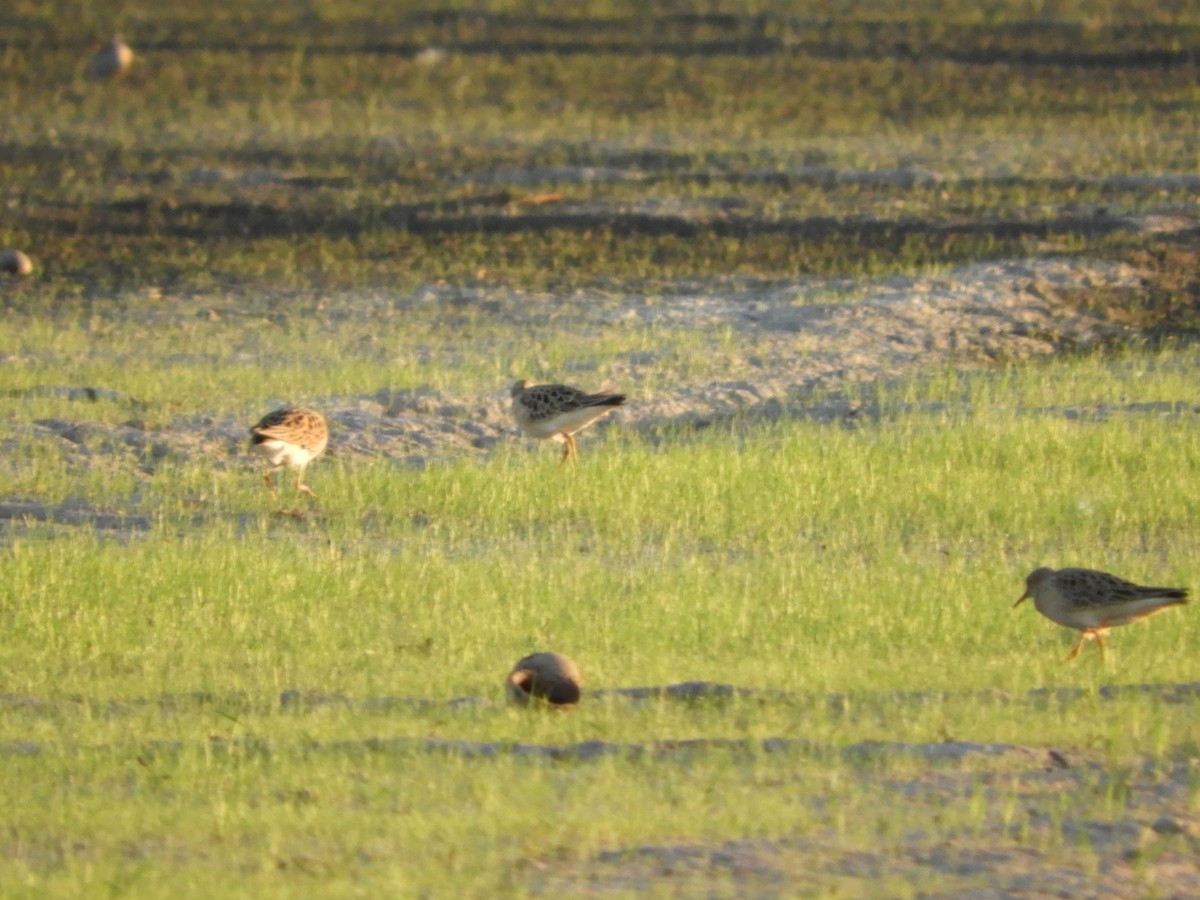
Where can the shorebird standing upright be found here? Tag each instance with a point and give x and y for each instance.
(1093, 602)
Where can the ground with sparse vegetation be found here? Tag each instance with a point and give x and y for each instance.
(905, 301)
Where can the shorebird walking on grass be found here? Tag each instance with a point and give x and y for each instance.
(559, 412)
(1093, 602)
(293, 436)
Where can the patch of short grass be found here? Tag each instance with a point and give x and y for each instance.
(745, 548)
(282, 206)
(859, 580)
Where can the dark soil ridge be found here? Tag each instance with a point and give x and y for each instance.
(681, 35)
(838, 702)
(198, 221)
(596, 750)
(71, 513)
(748, 47)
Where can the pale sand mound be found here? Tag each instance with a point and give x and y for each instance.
(783, 342)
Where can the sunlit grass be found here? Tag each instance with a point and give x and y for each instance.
(285, 204)
(798, 555)
(876, 564)
(858, 578)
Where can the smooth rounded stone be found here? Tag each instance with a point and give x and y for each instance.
(548, 677)
(111, 61)
(14, 262)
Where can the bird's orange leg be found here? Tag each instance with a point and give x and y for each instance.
(1083, 636)
(302, 487)
(569, 450)
(270, 484)
(1088, 634)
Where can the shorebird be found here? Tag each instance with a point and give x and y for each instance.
(1093, 602)
(558, 411)
(292, 437)
(14, 262)
(550, 677)
(111, 60)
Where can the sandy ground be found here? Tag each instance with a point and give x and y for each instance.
(788, 342)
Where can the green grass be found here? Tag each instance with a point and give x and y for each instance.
(801, 558)
(723, 541)
(380, 170)
(287, 204)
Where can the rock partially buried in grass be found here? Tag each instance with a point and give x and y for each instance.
(548, 677)
(14, 262)
(111, 61)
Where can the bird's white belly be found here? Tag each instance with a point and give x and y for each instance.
(1067, 615)
(281, 453)
(546, 428)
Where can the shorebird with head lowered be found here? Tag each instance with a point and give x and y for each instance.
(559, 412)
(111, 61)
(1093, 602)
(293, 436)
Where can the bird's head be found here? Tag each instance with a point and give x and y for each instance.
(1036, 577)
